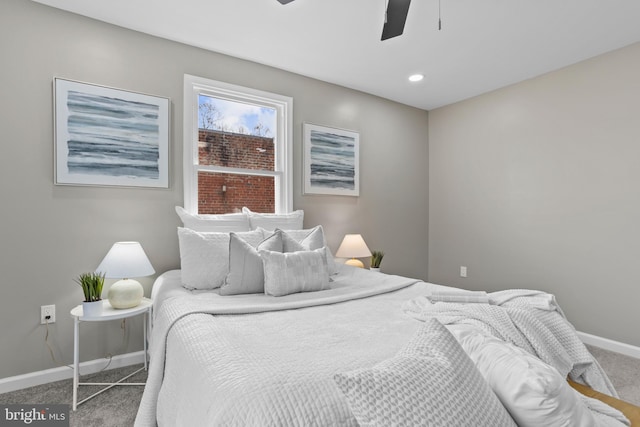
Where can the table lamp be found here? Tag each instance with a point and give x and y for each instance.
(124, 261)
(353, 246)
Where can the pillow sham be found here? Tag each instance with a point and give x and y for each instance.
(246, 272)
(430, 382)
(214, 223)
(268, 221)
(204, 257)
(289, 273)
(533, 392)
(308, 240)
(301, 240)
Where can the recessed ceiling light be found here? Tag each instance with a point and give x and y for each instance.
(416, 77)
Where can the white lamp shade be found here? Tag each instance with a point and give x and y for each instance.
(125, 260)
(353, 246)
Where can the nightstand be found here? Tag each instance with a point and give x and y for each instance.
(108, 313)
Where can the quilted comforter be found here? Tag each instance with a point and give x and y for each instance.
(258, 360)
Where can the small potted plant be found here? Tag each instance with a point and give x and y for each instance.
(376, 260)
(91, 284)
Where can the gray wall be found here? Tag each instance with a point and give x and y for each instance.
(49, 234)
(537, 185)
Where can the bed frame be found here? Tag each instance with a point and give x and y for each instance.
(632, 412)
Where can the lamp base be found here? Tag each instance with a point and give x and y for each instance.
(125, 293)
(354, 263)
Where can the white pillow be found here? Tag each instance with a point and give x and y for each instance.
(214, 223)
(431, 382)
(289, 273)
(307, 240)
(204, 257)
(288, 221)
(246, 272)
(533, 392)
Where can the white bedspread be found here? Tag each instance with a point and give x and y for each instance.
(240, 370)
(256, 360)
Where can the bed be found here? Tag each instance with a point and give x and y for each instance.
(359, 348)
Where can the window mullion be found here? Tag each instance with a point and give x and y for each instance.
(237, 171)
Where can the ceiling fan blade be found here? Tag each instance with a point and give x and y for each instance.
(285, 1)
(397, 12)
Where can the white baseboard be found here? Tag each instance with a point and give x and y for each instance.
(611, 345)
(64, 372)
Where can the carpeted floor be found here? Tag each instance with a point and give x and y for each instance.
(118, 407)
(623, 371)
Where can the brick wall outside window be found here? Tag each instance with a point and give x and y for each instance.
(220, 193)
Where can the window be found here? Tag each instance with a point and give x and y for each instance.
(237, 148)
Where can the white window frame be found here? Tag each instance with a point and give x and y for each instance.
(283, 139)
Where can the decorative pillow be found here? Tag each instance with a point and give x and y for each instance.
(214, 223)
(297, 240)
(289, 221)
(204, 257)
(289, 273)
(307, 240)
(431, 382)
(246, 272)
(533, 392)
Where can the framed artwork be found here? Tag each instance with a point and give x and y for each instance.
(110, 137)
(331, 161)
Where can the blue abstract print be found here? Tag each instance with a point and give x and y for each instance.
(112, 137)
(332, 161)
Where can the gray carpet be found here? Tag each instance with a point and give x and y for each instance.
(117, 407)
(623, 371)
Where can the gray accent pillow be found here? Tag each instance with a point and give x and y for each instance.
(289, 273)
(246, 272)
(308, 240)
(431, 382)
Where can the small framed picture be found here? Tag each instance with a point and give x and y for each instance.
(110, 137)
(331, 161)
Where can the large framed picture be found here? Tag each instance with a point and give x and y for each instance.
(331, 161)
(110, 137)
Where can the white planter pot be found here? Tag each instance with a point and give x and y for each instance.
(376, 269)
(91, 309)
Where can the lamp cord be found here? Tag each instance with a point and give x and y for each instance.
(108, 356)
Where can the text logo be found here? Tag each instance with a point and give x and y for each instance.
(34, 415)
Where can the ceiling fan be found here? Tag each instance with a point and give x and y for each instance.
(395, 17)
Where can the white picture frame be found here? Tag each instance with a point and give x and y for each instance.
(110, 137)
(331, 161)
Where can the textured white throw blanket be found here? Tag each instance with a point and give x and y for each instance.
(460, 296)
(533, 321)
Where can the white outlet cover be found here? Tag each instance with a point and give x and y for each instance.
(463, 271)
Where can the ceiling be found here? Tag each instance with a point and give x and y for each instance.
(483, 45)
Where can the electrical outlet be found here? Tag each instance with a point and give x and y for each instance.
(47, 314)
(463, 271)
